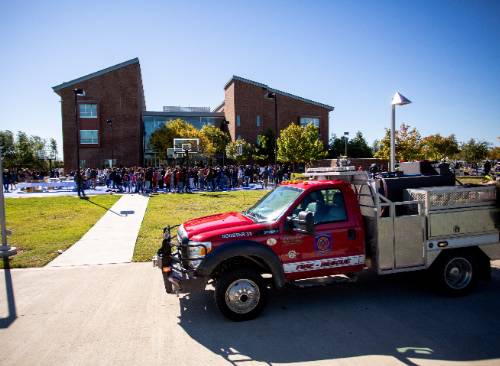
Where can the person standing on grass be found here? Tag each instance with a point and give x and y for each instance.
(126, 181)
(79, 180)
(13, 180)
(6, 180)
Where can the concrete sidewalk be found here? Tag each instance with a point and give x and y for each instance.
(111, 239)
(120, 315)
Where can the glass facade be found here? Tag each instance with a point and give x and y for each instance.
(154, 122)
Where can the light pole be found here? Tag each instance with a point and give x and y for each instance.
(273, 95)
(398, 99)
(109, 122)
(346, 137)
(78, 92)
(5, 249)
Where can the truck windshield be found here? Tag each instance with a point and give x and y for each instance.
(274, 204)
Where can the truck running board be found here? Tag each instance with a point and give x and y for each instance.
(325, 281)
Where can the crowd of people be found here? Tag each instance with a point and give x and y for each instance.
(13, 176)
(181, 179)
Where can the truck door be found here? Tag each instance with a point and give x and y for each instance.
(337, 244)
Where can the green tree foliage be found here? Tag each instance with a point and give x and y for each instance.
(494, 153)
(264, 148)
(217, 138)
(7, 144)
(232, 151)
(408, 144)
(474, 151)
(163, 138)
(298, 144)
(437, 147)
(53, 148)
(23, 151)
(356, 147)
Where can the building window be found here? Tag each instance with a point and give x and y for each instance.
(238, 137)
(304, 121)
(238, 121)
(89, 137)
(88, 110)
(258, 121)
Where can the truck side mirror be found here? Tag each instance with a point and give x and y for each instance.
(304, 222)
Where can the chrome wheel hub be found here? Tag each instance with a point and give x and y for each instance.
(242, 296)
(458, 273)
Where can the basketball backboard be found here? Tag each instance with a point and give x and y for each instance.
(181, 145)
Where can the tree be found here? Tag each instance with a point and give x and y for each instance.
(24, 151)
(298, 144)
(7, 144)
(437, 147)
(356, 147)
(494, 153)
(233, 151)
(408, 144)
(264, 148)
(474, 151)
(53, 148)
(217, 138)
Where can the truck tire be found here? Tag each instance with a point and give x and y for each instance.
(456, 273)
(241, 294)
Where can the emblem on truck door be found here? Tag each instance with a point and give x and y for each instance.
(323, 243)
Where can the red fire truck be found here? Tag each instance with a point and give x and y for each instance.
(344, 224)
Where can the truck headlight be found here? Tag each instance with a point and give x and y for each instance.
(198, 249)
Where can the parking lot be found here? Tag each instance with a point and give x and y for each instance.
(120, 314)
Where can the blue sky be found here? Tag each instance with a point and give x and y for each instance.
(354, 55)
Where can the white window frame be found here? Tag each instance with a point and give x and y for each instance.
(87, 111)
(91, 140)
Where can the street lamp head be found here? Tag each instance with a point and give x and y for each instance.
(399, 99)
(346, 133)
(79, 92)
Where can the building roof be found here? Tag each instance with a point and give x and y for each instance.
(219, 108)
(183, 114)
(95, 74)
(264, 86)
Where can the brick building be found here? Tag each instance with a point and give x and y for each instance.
(116, 94)
(250, 109)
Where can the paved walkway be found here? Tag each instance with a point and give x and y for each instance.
(120, 315)
(111, 239)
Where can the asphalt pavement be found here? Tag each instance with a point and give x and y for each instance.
(120, 315)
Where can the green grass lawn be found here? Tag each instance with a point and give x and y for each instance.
(41, 226)
(172, 209)
(471, 179)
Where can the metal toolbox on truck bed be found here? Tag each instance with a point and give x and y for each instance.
(455, 211)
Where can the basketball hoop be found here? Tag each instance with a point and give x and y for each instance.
(186, 147)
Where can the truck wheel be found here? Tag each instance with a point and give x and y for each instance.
(241, 294)
(456, 273)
